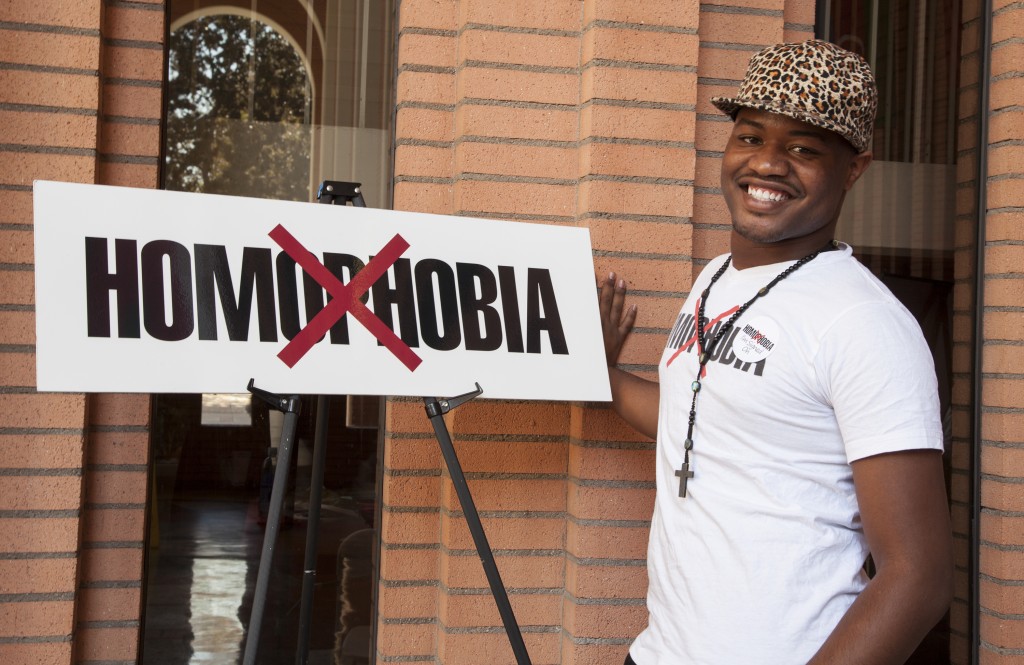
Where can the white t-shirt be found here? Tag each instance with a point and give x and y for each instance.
(763, 557)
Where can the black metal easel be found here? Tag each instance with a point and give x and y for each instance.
(341, 193)
(337, 193)
(331, 192)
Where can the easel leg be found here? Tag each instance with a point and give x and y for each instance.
(435, 410)
(316, 487)
(290, 406)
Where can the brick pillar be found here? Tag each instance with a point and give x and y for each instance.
(114, 516)
(81, 102)
(424, 124)
(410, 549)
(963, 408)
(636, 169)
(1001, 574)
(513, 454)
(48, 129)
(516, 94)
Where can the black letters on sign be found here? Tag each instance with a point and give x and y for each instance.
(288, 295)
(182, 317)
(432, 336)
(401, 295)
(344, 267)
(540, 293)
(473, 307)
(457, 307)
(257, 270)
(124, 282)
(510, 309)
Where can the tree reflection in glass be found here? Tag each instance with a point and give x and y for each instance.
(238, 116)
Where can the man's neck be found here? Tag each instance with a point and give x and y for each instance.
(748, 254)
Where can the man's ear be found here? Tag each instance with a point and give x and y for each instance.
(858, 165)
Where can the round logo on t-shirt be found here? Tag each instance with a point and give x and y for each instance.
(756, 339)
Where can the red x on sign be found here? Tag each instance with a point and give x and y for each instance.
(345, 299)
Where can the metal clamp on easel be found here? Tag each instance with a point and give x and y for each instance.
(291, 405)
(435, 411)
(337, 192)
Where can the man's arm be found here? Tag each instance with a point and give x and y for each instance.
(633, 398)
(903, 507)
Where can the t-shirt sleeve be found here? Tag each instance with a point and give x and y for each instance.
(876, 370)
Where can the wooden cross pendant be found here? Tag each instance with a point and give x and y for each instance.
(684, 475)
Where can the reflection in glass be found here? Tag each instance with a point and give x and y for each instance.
(238, 111)
(217, 586)
(226, 410)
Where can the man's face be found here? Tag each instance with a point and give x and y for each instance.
(785, 180)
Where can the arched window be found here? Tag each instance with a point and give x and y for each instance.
(238, 111)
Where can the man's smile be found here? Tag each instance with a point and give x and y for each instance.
(763, 194)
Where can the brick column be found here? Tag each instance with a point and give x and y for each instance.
(963, 408)
(1001, 574)
(636, 168)
(410, 550)
(114, 516)
(516, 95)
(80, 101)
(513, 455)
(49, 101)
(424, 125)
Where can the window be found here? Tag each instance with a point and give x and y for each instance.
(267, 99)
(912, 219)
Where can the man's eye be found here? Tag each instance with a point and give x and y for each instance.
(803, 150)
(752, 140)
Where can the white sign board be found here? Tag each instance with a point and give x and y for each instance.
(151, 291)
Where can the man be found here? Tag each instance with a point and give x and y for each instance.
(796, 412)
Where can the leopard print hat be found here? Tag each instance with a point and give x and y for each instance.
(815, 82)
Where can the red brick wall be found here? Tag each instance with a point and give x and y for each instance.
(1002, 431)
(636, 195)
(114, 509)
(80, 101)
(49, 63)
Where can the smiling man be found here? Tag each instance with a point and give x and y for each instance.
(796, 414)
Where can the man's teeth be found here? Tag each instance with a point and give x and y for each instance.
(766, 194)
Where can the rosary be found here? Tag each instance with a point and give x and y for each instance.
(704, 348)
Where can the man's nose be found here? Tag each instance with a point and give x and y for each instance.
(770, 159)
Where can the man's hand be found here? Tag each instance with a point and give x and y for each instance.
(633, 398)
(615, 324)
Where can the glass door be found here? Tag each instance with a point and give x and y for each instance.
(267, 98)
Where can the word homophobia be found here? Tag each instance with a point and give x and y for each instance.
(172, 293)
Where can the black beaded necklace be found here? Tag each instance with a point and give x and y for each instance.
(704, 349)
